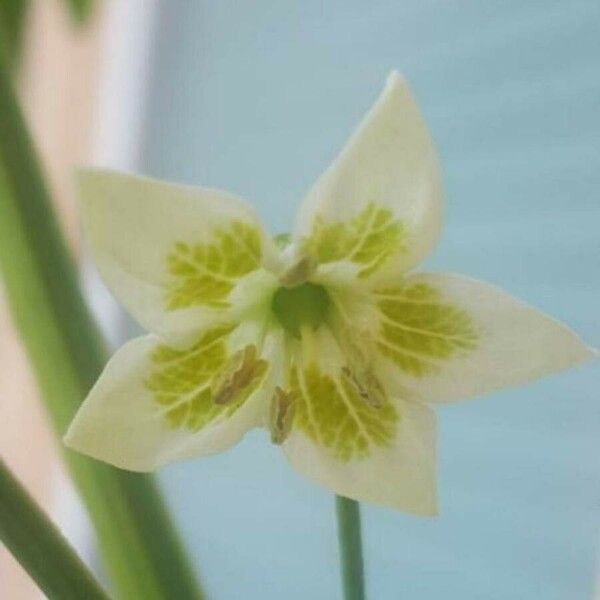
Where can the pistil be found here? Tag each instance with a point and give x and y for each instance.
(303, 305)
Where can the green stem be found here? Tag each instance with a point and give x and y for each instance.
(39, 547)
(80, 9)
(350, 543)
(139, 547)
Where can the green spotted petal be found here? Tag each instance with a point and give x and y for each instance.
(186, 382)
(204, 274)
(420, 331)
(331, 412)
(154, 404)
(173, 255)
(366, 241)
(377, 208)
(400, 473)
(331, 404)
(380, 452)
(449, 338)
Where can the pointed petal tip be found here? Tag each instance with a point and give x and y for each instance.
(71, 439)
(588, 354)
(72, 442)
(76, 443)
(581, 353)
(395, 79)
(66, 439)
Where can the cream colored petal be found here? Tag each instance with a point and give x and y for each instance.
(173, 255)
(379, 451)
(153, 404)
(377, 208)
(400, 475)
(450, 337)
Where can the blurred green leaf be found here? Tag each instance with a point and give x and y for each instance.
(80, 9)
(39, 546)
(139, 547)
(12, 23)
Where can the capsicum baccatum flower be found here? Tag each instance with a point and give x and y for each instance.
(325, 337)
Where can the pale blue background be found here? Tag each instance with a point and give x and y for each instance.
(256, 97)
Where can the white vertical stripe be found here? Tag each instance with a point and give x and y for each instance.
(124, 81)
(125, 72)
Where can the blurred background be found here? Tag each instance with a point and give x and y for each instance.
(257, 98)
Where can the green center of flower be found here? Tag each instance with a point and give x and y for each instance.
(299, 306)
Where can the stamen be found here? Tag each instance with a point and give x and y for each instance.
(237, 374)
(281, 416)
(367, 386)
(299, 272)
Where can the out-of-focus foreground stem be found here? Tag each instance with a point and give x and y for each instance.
(39, 547)
(139, 547)
(80, 9)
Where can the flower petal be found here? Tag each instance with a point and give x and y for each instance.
(377, 208)
(449, 337)
(400, 474)
(154, 404)
(171, 254)
(382, 452)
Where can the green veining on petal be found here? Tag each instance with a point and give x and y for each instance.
(182, 382)
(205, 273)
(332, 413)
(418, 330)
(367, 240)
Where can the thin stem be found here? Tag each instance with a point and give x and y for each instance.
(138, 544)
(39, 547)
(350, 543)
(80, 9)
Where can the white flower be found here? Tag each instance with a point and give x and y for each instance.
(326, 338)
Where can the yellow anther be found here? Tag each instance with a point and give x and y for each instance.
(281, 416)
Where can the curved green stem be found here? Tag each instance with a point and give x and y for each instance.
(138, 544)
(39, 547)
(350, 543)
